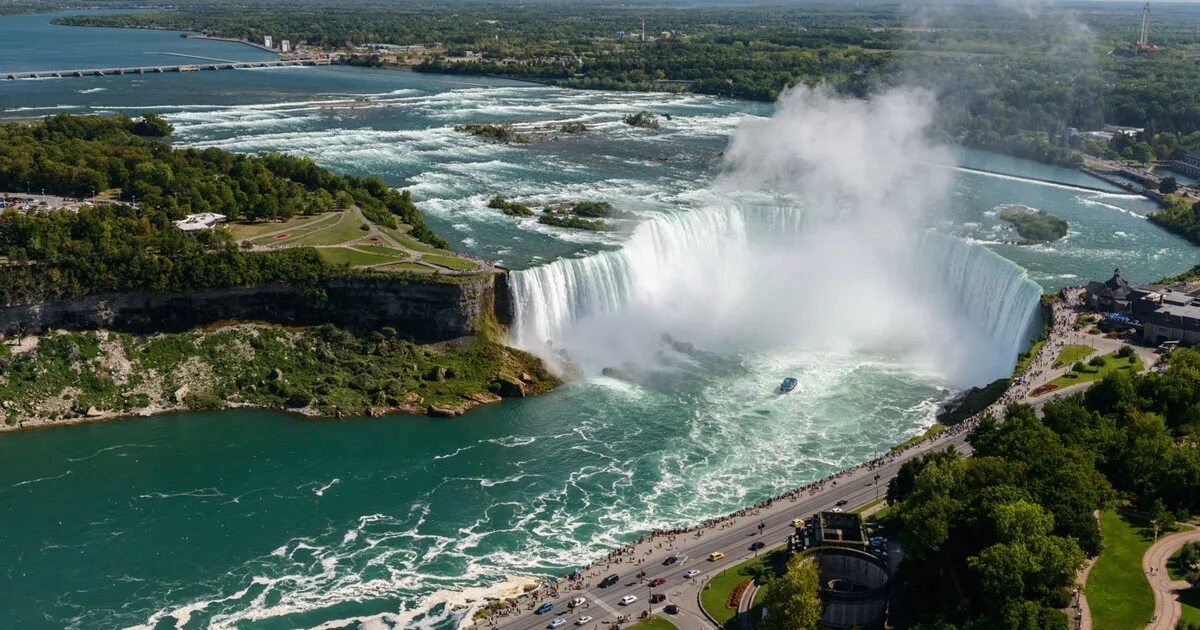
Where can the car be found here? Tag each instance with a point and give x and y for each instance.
(582, 620)
(575, 603)
(691, 573)
(755, 546)
(658, 598)
(841, 503)
(836, 509)
(797, 522)
(671, 609)
(670, 560)
(543, 609)
(628, 599)
(657, 582)
(714, 556)
(609, 581)
(558, 621)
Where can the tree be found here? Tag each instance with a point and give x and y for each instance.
(1168, 185)
(793, 600)
(152, 125)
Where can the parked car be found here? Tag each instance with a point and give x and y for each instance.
(544, 608)
(797, 522)
(628, 599)
(609, 581)
(578, 601)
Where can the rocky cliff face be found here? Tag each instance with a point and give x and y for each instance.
(423, 309)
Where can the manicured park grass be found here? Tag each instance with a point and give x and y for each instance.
(404, 266)
(382, 251)
(653, 623)
(1074, 352)
(1190, 599)
(352, 257)
(412, 243)
(348, 228)
(302, 229)
(1117, 590)
(716, 591)
(250, 230)
(449, 262)
(1112, 363)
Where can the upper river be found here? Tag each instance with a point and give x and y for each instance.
(257, 520)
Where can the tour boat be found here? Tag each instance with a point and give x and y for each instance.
(788, 385)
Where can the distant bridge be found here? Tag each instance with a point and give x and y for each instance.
(101, 72)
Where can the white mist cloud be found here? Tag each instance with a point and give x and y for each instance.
(813, 243)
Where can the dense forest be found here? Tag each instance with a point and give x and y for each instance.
(1009, 527)
(1017, 84)
(133, 244)
(82, 156)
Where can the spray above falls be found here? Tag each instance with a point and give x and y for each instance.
(814, 240)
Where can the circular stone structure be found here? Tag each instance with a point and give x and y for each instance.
(854, 587)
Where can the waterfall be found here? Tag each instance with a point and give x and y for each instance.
(761, 277)
(991, 290)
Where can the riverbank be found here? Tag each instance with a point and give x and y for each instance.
(66, 378)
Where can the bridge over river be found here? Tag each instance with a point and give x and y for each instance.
(196, 67)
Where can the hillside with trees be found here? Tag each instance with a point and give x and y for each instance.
(133, 244)
(994, 540)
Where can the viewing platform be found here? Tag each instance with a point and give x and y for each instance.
(100, 72)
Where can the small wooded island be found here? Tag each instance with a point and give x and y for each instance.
(580, 215)
(233, 280)
(1034, 226)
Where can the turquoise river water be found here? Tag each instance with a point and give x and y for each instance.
(256, 520)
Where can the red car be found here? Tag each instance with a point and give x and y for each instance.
(657, 598)
(657, 582)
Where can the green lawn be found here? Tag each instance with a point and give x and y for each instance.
(412, 243)
(716, 592)
(242, 230)
(653, 623)
(302, 228)
(449, 262)
(404, 266)
(1025, 358)
(1190, 599)
(1074, 352)
(1117, 590)
(1112, 363)
(381, 250)
(347, 228)
(352, 257)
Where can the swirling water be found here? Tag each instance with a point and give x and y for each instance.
(257, 520)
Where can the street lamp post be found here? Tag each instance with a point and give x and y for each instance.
(876, 486)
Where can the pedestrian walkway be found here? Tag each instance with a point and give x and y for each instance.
(1167, 609)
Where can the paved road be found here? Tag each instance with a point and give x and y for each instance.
(1167, 609)
(732, 537)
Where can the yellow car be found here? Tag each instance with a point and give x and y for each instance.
(714, 556)
(797, 522)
